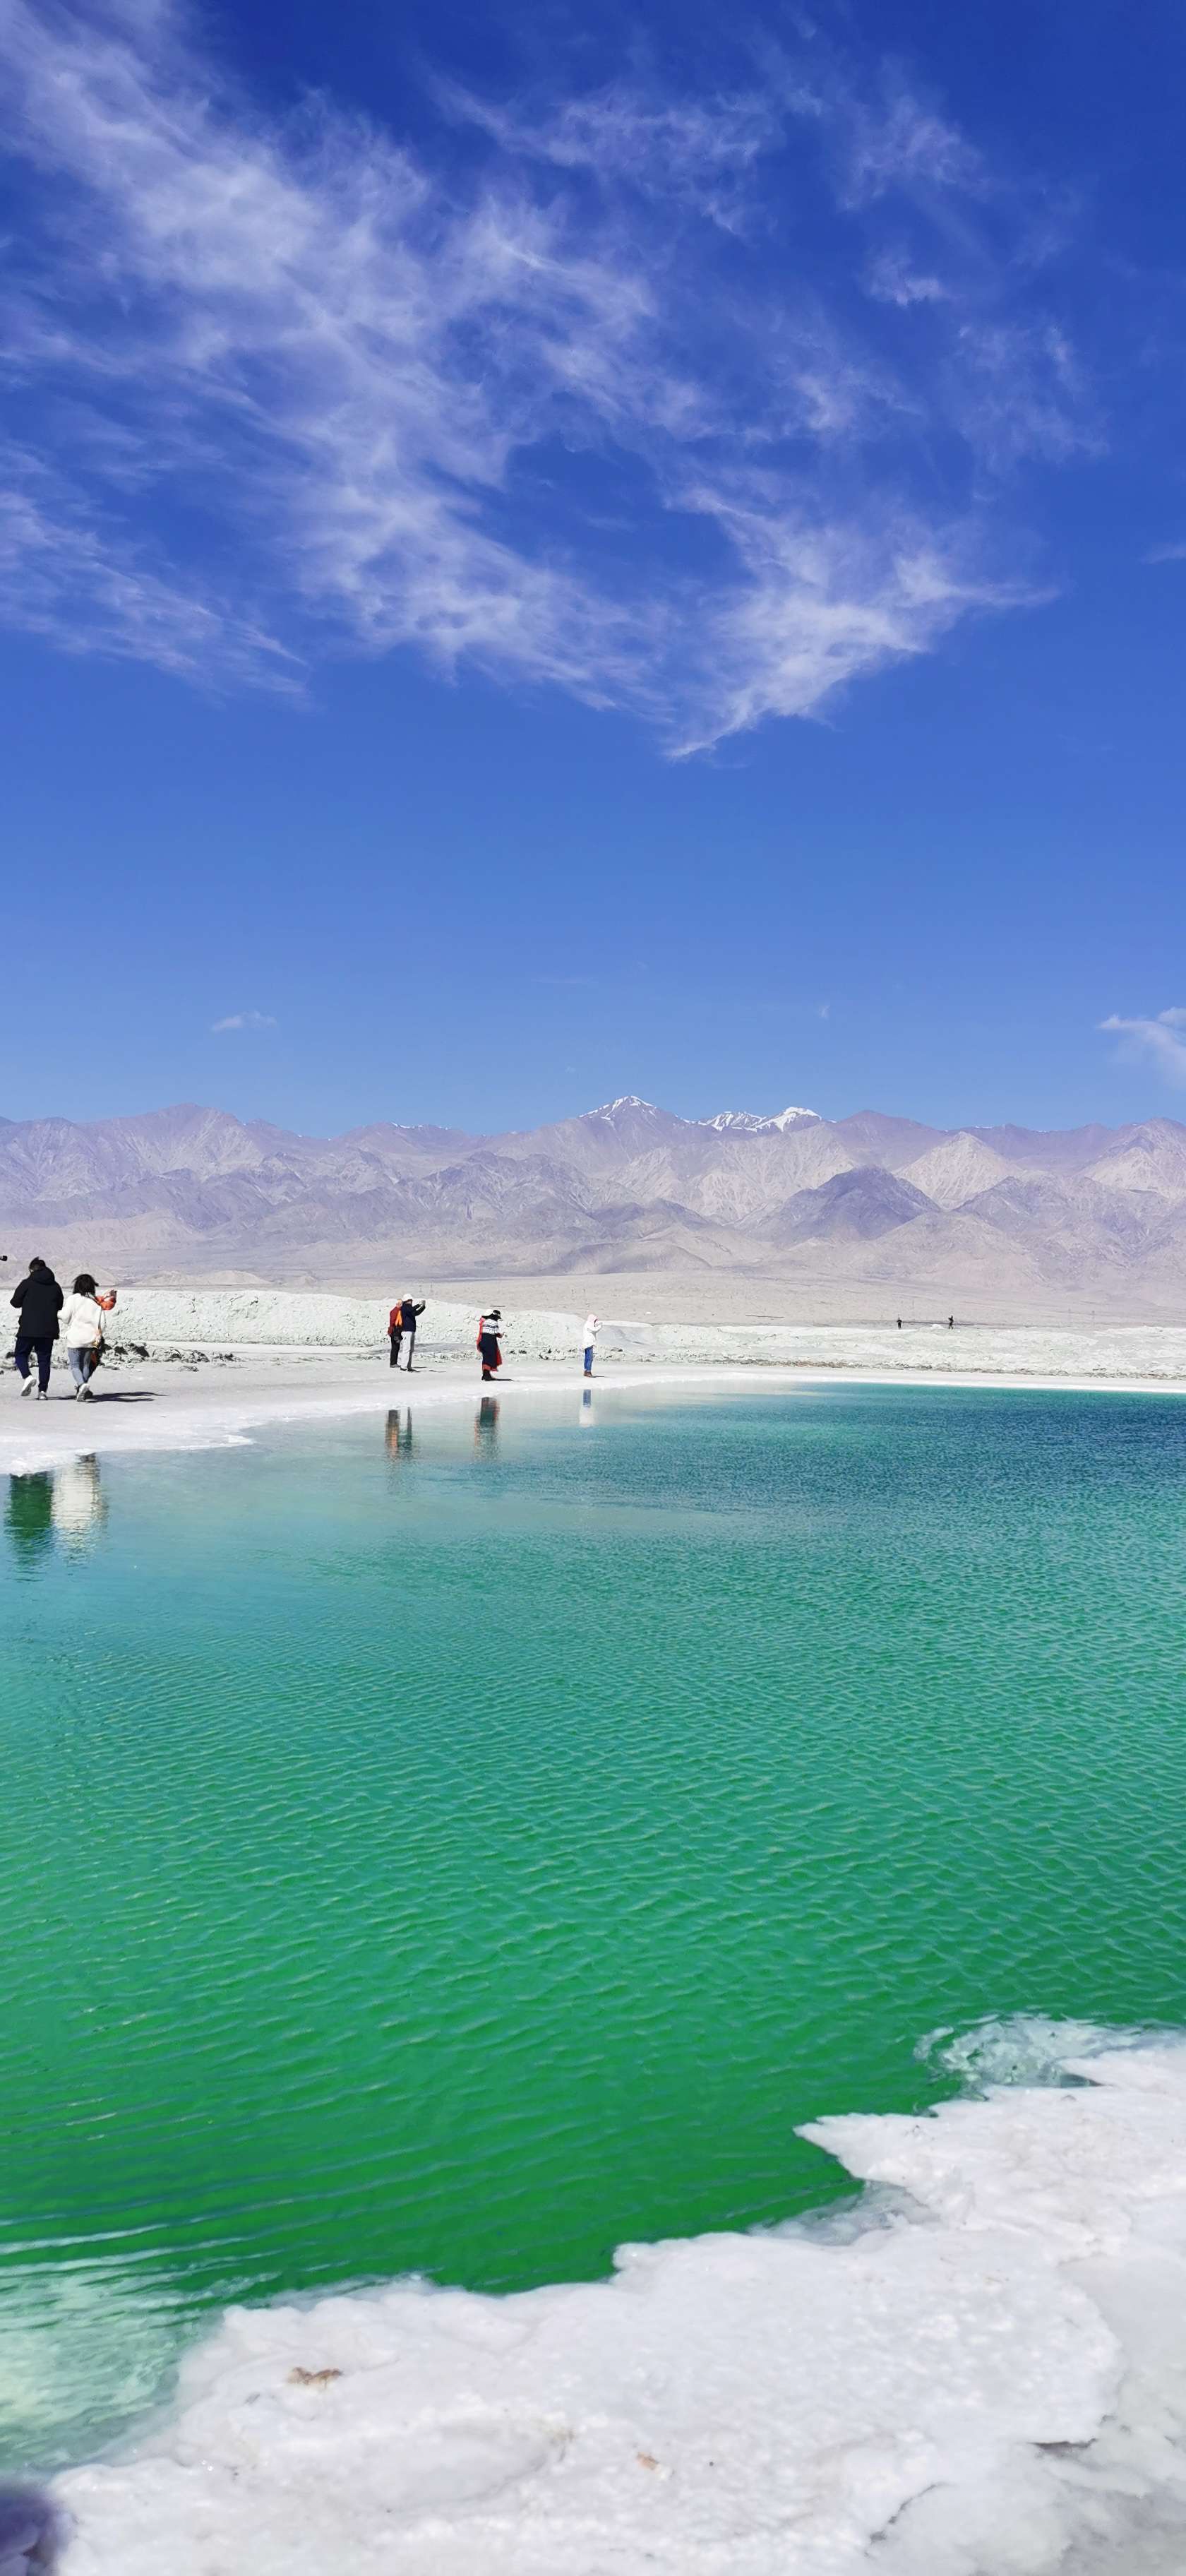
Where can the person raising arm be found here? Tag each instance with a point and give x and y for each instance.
(409, 1316)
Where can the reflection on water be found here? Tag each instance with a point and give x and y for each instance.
(399, 1433)
(585, 1415)
(79, 1503)
(66, 1503)
(486, 1421)
(29, 1517)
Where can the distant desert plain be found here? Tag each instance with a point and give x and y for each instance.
(737, 1218)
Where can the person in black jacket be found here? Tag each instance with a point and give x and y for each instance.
(409, 1315)
(38, 1301)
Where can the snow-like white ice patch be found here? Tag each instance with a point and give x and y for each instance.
(277, 1320)
(989, 2377)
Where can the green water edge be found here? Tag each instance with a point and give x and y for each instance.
(463, 1843)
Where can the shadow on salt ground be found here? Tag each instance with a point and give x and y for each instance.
(107, 1395)
(32, 2533)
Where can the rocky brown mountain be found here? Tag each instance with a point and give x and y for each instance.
(1095, 1213)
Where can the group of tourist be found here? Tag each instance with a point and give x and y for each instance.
(48, 1315)
(405, 1314)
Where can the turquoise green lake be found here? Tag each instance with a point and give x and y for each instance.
(461, 1843)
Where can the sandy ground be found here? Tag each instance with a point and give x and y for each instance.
(200, 1402)
(807, 1298)
(815, 1288)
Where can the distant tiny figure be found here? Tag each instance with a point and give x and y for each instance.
(590, 1338)
(82, 1328)
(38, 1300)
(899, 1323)
(951, 1323)
(409, 1313)
(489, 1341)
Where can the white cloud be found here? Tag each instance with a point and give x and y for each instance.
(892, 279)
(892, 140)
(88, 588)
(700, 151)
(1164, 1039)
(283, 390)
(1020, 391)
(1166, 554)
(242, 1020)
(826, 602)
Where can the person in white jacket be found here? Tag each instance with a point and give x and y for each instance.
(81, 1327)
(589, 1338)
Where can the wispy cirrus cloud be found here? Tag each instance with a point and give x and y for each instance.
(569, 410)
(1162, 1039)
(71, 575)
(242, 1020)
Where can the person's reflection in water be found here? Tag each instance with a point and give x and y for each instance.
(79, 1507)
(29, 1518)
(586, 1413)
(486, 1422)
(399, 1434)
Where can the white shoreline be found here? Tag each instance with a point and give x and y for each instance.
(987, 2368)
(162, 1406)
(222, 1365)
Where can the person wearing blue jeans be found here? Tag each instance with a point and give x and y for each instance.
(589, 1338)
(38, 1301)
(41, 1347)
(82, 1331)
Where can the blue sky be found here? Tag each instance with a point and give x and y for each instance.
(552, 552)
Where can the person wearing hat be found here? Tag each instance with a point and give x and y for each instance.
(409, 1313)
(489, 1340)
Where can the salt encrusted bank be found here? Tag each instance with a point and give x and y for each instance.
(984, 2373)
(203, 1366)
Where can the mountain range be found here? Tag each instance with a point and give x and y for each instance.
(870, 1203)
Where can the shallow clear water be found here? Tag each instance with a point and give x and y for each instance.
(465, 1846)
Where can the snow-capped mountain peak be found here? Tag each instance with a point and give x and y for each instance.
(753, 1122)
(630, 1115)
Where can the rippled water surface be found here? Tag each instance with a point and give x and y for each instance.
(462, 1844)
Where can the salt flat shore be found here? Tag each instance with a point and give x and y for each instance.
(989, 2372)
(193, 1369)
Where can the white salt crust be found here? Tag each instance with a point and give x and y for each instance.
(980, 2372)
